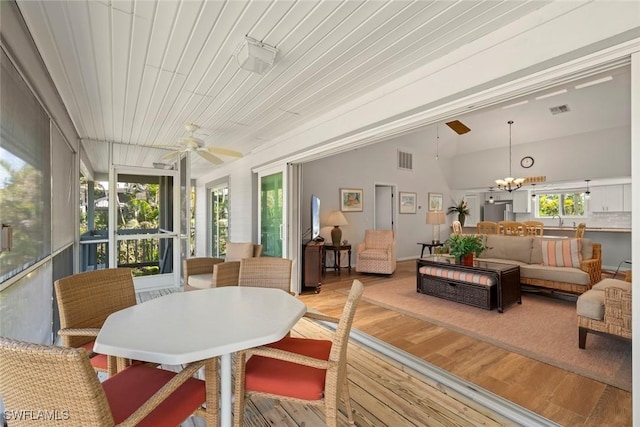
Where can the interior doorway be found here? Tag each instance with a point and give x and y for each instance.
(384, 205)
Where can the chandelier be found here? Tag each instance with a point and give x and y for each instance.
(509, 183)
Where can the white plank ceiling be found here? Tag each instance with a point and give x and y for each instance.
(135, 72)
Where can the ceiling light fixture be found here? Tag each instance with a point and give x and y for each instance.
(549, 95)
(587, 194)
(491, 200)
(594, 82)
(533, 192)
(255, 56)
(509, 183)
(515, 105)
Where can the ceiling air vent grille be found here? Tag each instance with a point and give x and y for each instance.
(405, 161)
(559, 109)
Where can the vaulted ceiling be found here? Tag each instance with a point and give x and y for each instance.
(135, 72)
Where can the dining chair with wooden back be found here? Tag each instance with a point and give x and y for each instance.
(57, 378)
(580, 230)
(456, 226)
(266, 272)
(301, 370)
(533, 228)
(511, 228)
(486, 227)
(85, 300)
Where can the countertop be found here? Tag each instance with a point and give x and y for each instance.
(587, 230)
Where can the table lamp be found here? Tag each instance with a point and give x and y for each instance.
(436, 218)
(336, 219)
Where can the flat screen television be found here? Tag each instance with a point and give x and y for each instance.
(315, 217)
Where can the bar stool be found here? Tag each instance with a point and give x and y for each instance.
(624, 261)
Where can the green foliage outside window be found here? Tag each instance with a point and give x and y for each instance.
(562, 204)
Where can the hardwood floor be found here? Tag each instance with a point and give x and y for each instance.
(561, 396)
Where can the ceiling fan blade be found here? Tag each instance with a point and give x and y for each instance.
(210, 157)
(222, 151)
(172, 155)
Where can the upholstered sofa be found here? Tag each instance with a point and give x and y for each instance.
(566, 265)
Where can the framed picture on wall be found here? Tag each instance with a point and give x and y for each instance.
(351, 199)
(408, 202)
(435, 201)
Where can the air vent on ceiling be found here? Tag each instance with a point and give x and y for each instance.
(559, 109)
(405, 160)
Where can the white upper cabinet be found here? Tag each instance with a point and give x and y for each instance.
(607, 198)
(521, 201)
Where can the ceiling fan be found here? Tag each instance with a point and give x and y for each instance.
(195, 144)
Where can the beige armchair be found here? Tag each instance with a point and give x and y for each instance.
(377, 254)
(209, 272)
(605, 309)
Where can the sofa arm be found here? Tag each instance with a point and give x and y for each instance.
(593, 267)
(617, 308)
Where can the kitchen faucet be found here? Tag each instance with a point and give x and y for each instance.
(560, 221)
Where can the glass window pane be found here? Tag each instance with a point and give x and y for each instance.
(25, 178)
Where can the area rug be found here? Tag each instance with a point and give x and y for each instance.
(542, 328)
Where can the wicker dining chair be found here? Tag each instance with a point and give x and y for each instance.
(511, 228)
(212, 272)
(265, 272)
(533, 228)
(456, 227)
(486, 227)
(301, 370)
(62, 379)
(580, 230)
(85, 300)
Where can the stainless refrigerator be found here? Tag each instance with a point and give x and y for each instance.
(498, 211)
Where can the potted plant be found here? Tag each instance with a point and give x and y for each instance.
(461, 209)
(464, 246)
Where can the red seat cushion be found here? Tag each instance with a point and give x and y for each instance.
(269, 375)
(98, 361)
(129, 389)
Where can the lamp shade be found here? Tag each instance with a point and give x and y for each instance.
(436, 217)
(336, 218)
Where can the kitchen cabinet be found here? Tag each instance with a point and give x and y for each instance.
(521, 201)
(607, 198)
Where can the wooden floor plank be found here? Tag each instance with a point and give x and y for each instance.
(383, 395)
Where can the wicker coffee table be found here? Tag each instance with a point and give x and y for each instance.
(485, 284)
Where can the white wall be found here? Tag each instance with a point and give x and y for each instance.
(377, 164)
(594, 155)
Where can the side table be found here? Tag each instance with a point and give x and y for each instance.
(430, 246)
(336, 257)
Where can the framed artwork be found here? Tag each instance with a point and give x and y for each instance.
(435, 201)
(408, 202)
(351, 199)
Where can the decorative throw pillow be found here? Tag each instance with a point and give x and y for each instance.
(238, 251)
(562, 253)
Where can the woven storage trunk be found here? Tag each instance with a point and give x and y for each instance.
(467, 293)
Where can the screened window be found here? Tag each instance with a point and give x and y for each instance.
(25, 178)
(564, 204)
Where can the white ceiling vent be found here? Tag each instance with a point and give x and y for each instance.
(559, 109)
(405, 160)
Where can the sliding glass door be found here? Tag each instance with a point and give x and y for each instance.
(273, 208)
(219, 236)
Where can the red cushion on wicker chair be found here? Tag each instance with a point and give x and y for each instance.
(269, 375)
(98, 361)
(129, 389)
